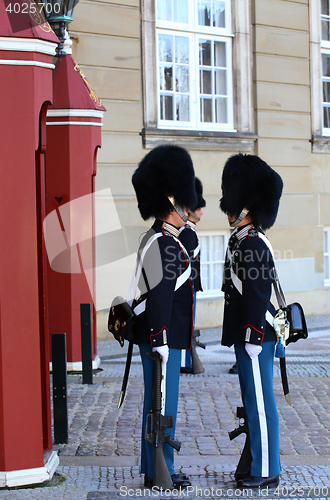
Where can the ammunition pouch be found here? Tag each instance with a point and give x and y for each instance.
(297, 321)
(122, 321)
(294, 323)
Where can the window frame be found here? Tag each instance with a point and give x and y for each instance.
(324, 43)
(208, 294)
(325, 50)
(241, 137)
(320, 135)
(227, 30)
(326, 254)
(192, 24)
(194, 93)
(229, 126)
(325, 130)
(166, 124)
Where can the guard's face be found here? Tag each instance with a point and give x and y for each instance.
(199, 212)
(231, 218)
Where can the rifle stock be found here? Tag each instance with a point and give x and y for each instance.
(197, 366)
(244, 464)
(158, 424)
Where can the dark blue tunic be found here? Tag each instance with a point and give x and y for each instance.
(244, 313)
(189, 239)
(168, 314)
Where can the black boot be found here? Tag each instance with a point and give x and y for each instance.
(233, 369)
(179, 482)
(148, 481)
(259, 482)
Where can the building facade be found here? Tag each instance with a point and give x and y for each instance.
(216, 77)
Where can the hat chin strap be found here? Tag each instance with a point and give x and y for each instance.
(192, 213)
(239, 219)
(178, 209)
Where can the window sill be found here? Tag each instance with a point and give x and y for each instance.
(320, 144)
(199, 140)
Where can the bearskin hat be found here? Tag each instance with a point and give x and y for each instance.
(199, 191)
(166, 171)
(248, 182)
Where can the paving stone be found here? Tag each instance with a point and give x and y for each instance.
(206, 412)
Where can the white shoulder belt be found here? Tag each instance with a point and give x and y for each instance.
(138, 269)
(238, 283)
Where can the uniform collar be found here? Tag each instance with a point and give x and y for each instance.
(191, 224)
(242, 232)
(172, 230)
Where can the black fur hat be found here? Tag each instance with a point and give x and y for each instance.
(248, 182)
(199, 191)
(166, 171)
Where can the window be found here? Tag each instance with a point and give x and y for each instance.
(197, 74)
(327, 256)
(325, 51)
(194, 62)
(326, 92)
(325, 17)
(320, 74)
(213, 249)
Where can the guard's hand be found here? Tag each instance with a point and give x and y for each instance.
(163, 351)
(253, 350)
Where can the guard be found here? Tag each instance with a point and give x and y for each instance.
(251, 191)
(164, 184)
(189, 239)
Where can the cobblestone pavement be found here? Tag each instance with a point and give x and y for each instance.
(101, 460)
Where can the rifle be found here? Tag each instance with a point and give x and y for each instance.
(244, 465)
(158, 423)
(197, 366)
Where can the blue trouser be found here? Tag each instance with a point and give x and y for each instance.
(256, 381)
(186, 359)
(171, 406)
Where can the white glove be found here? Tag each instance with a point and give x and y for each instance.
(163, 351)
(253, 350)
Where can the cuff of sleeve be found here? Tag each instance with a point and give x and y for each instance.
(253, 336)
(158, 339)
